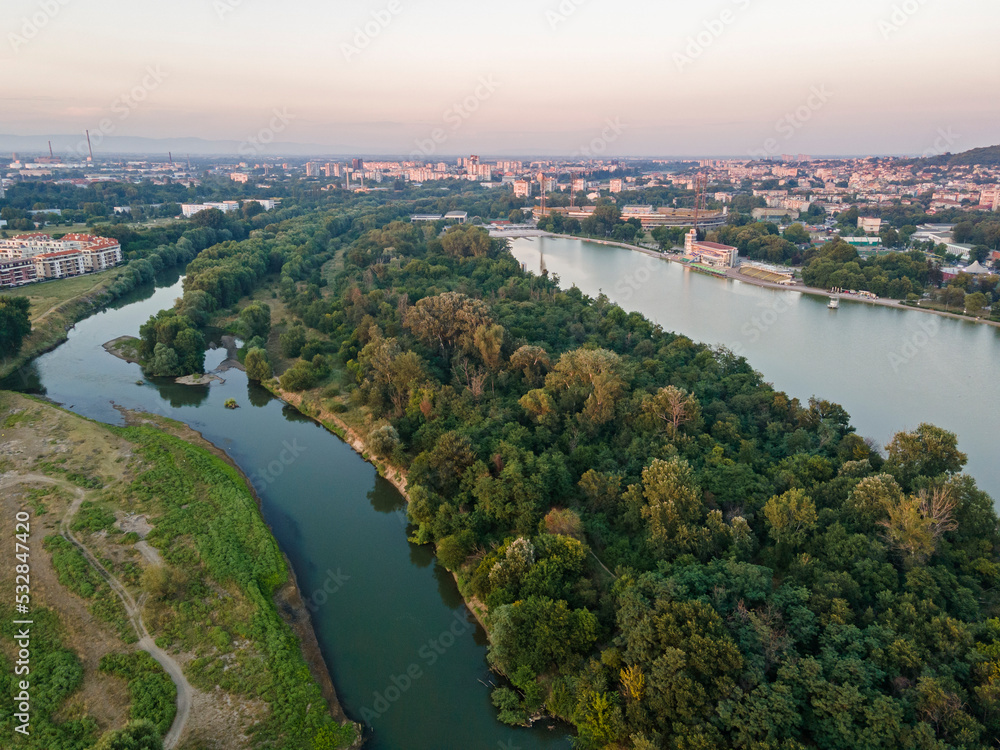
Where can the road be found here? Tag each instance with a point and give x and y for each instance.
(185, 692)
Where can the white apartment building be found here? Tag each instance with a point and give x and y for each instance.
(70, 255)
(190, 209)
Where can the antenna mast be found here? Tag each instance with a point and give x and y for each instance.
(699, 193)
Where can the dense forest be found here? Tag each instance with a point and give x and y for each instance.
(672, 553)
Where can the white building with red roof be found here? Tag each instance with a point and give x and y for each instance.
(70, 255)
(709, 253)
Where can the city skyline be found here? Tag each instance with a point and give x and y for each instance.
(733, 78)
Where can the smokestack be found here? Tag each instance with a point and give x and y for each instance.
(90, 147)
(170, 157)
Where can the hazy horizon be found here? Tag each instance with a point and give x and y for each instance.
(730, 78)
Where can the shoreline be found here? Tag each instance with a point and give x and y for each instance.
(733, 274)
(288, 599)
(393, 474)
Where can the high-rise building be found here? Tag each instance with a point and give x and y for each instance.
(522, 189)
(358, 164)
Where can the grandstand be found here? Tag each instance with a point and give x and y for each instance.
(764, 274)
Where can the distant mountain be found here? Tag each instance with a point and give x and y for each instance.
(76, 146)
(987, 157)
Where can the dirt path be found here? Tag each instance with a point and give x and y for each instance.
(185, 692)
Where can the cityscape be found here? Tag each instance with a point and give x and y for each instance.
(532, 377)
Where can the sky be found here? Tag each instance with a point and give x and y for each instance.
(602, 78)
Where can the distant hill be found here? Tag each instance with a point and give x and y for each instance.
(988, 156)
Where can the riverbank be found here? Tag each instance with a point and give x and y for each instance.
(288, 599)
(733, 274)
(175, 571)
(395, 475)
(56, 306)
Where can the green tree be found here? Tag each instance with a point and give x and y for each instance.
(928, 451)
(797, 233)
(165, 362)
(138, 735)
(256, 320)
(791, 517)
(257, 366)
(975, 303)
(15, 324)
(292, 341)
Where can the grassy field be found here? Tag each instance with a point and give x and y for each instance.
(49, 294)
(55, 307)
(178, 528)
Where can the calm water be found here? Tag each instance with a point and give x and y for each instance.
(402, 649)
(891, 369)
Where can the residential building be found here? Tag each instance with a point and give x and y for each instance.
(59, 264)
(190, 209)
(17, 272)
(70, 255)
(991, 197)
(241, 177)
(617, 185)
(522, 189)
(869, 225)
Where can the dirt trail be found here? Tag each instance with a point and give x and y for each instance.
(185, 692)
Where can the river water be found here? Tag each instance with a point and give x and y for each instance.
(890, 368)
(404, 654)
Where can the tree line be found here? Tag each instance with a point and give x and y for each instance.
(672, 553)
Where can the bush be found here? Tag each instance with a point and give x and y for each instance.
(257, 366)
(292, 341)
(299, 378)
(383, 440)
(453, 550)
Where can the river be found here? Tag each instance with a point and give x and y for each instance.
(404, 653)
(891, 369)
